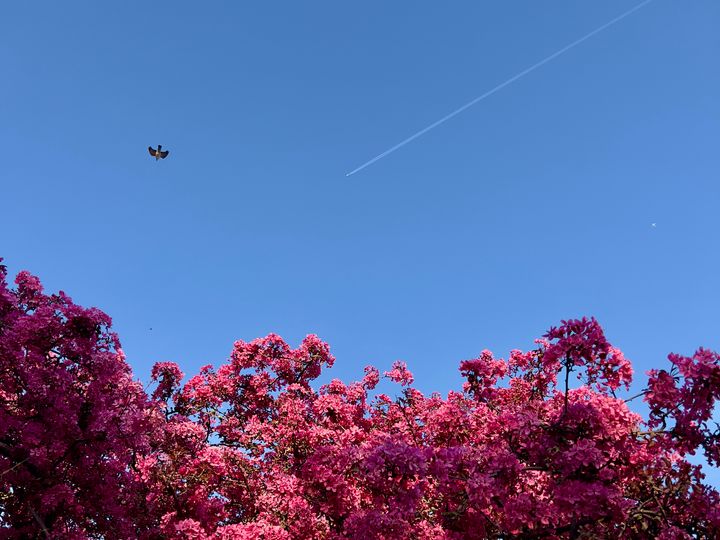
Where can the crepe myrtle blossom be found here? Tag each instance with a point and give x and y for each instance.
(254, 449)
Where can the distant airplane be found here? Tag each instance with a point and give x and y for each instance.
(158, 154)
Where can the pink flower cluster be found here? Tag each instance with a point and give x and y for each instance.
(682, 402)
(73, 423)
(250, 450)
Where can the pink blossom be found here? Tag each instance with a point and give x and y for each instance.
(400, 374)
(256, 450)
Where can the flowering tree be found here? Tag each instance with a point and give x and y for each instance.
(72, 421)
(251, 450)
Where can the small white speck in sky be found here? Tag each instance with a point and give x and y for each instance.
(653, 225)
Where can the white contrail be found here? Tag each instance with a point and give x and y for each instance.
(501, 86)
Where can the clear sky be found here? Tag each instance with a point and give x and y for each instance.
(532, 206)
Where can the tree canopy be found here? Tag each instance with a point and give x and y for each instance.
(251, 450)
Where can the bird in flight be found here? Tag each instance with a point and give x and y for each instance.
(159, 153)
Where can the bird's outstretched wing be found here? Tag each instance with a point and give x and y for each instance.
(164, 154)
(153, 152)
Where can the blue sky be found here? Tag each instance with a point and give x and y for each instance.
(533, 206)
